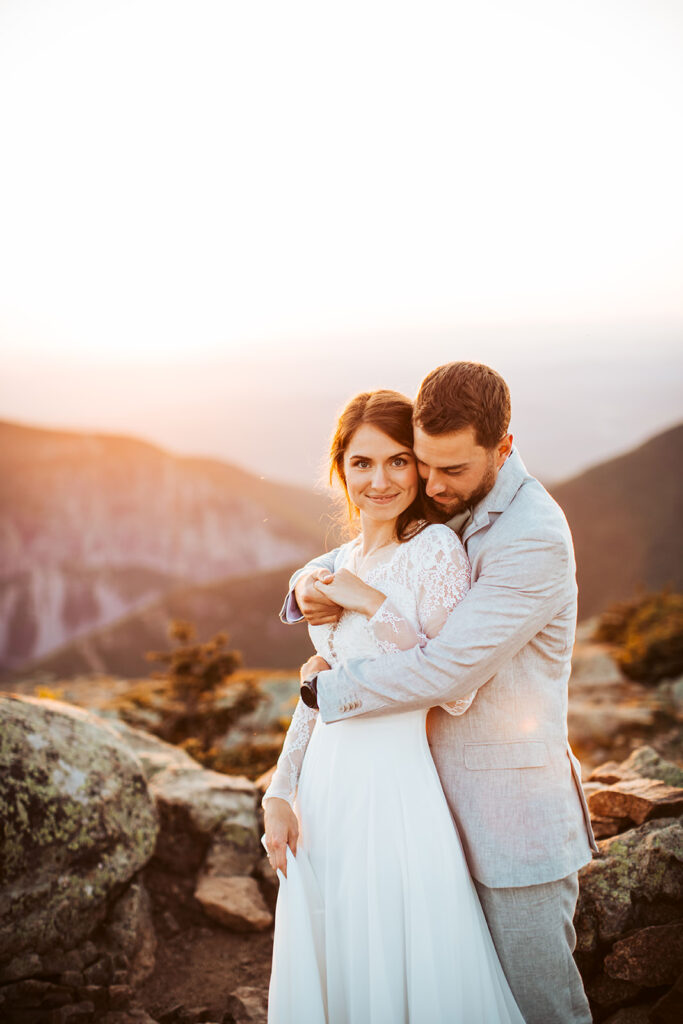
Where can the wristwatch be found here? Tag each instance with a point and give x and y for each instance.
(309, 692)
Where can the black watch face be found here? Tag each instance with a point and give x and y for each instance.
(309, 692)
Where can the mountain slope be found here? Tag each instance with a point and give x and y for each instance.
(246, 608)
(93, 525)
(626, 517)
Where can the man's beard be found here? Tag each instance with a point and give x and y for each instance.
(467, 501)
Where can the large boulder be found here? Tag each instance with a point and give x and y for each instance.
(199, 809)
(210, 824)
(639, 874)
(78, 823)
(155, 755)
(651, 956)
(629, 917)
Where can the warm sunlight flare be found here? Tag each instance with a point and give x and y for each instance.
(182, 176)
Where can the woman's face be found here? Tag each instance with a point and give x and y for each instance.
(381, 475)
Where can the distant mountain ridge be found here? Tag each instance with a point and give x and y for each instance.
(245, 607)
(92, 526)
(626, 518)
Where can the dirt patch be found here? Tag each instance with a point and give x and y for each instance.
(202, 965)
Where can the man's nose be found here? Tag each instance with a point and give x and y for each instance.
(434, 485)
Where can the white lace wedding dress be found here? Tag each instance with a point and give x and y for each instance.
(378, 921)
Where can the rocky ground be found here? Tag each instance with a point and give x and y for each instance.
(134, 888)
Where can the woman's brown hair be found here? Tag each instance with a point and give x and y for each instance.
(392, 413)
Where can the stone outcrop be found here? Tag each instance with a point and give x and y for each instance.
(247, 1006)
(88, 805)
(650, 956)
(236, 902)
(629, 917)
(78, 823)
(637, 800)
(209, 826)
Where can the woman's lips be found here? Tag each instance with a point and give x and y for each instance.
(382, 499)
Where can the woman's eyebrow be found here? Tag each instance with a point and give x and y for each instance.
(368, 458)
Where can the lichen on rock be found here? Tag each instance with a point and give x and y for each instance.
(77, 822)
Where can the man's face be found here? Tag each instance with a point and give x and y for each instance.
(456, 470)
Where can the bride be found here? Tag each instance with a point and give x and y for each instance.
(377, 919)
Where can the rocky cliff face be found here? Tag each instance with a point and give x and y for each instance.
(92, 527)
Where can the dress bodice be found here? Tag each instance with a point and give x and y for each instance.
(422, 579)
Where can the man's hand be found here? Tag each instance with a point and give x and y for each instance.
(317, 608)
(312, 667)
(282, 831)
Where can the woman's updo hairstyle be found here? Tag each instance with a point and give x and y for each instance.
(392, 413)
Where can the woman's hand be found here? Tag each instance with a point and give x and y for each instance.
(282, 831)
(349, 591)
(318, 609)
(312, 667)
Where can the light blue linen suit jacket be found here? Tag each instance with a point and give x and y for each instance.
(508, 772)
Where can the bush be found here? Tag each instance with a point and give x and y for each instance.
(194, 672)
(648, 635)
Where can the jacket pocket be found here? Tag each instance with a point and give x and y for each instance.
(517, 754)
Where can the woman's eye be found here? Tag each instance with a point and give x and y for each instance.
(400, 461)
(362, 464)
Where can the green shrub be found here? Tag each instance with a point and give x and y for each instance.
(648, 635)
(195, 671)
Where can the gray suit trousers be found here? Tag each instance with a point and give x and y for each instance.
(533, 932)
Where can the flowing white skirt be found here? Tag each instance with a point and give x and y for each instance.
(378, 920)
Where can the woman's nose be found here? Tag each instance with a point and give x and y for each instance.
(379, 479)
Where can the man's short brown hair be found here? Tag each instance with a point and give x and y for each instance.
(460, 395)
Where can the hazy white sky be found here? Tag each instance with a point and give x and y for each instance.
(212, 184)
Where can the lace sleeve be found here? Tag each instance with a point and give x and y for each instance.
(444, 579)
(286, 776)
(392, 631)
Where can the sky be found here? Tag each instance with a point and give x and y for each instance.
(218, 220)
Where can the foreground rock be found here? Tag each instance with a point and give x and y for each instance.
(236, 902)
(650, 957)
(209, 825)
(637, 800)
(247, 1006)
(77, 818)
(79, 823)
(629, 918)
(154, 754)
(91, 809)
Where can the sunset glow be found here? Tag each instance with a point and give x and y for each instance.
(216, 184)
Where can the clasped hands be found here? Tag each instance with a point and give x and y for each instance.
(322, 596)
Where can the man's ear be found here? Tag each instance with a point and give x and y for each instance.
(504, 448)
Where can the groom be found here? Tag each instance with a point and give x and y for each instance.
(511, 780)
